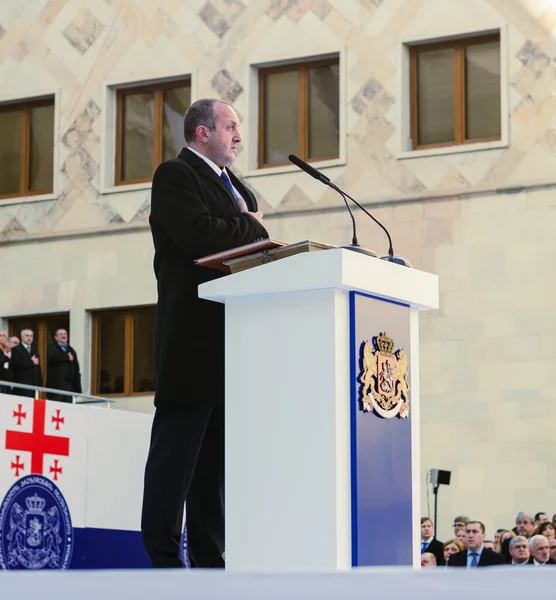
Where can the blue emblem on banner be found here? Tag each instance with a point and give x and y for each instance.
(35, 526)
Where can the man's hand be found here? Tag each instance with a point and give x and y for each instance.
(35, 360)
(70, 355)
(257, 215)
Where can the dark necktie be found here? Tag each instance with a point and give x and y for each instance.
(474, 561)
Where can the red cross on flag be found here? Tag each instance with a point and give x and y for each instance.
(45, 438)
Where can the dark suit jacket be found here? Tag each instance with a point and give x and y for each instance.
(436, 548)
(193, 214)
(24, 370)
(6, 372)
(489, 558)
(62, 373)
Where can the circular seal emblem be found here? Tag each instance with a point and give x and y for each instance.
(35, 526)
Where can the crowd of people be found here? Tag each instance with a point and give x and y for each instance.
(20, 363)
(531, 542)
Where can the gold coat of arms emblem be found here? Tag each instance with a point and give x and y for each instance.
(385, 388)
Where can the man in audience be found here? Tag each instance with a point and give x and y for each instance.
(552, 547)
(63, 371)
(540, 517)
(459, 523)
(524, 525)
(488, 544)
(497, 536)
(519, 550)
(428, 559)
(429, 543)
(26, 365)
(540, 550)
(476, 554)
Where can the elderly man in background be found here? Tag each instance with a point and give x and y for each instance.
(540, 550)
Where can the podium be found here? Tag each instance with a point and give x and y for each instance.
(322, 412)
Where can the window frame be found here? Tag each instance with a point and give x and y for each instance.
(460, 109)
(25, 107)
(157, 90)
(302, 106)
(128, 314)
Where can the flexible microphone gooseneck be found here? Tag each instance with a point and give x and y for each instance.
(324, 179)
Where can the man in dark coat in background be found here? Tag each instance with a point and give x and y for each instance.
(62, 368)
(26, 365)
(198, 208)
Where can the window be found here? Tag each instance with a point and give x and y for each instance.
(149, 128)
(26, 148)
(299, 112)
(43, 327)
(455, 92)
(123, 352)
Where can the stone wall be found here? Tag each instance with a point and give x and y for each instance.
(481, 216)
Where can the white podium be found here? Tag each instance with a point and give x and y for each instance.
(322, 430)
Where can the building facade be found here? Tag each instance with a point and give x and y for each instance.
(437, 115)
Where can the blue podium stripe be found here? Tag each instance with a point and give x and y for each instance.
(381, 460)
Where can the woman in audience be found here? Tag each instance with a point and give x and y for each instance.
(461, 536)
(451, 547)
(6, 373)
(548, 530)
(505, 535)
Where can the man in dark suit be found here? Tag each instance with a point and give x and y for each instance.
(26, 365)
(63, 371)
(198, 207)
(476, 554)
(429, 543)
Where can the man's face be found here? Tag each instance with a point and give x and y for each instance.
(221, 145)
(541, 551)
(552, 548)
(458, 525)
(497, 537)
(13, 341)
(542, 518)
(475, 536)
(489, 545)
(61, 336)
(427, 560)
(27, 336)
(426, 530)
(520, 552)
(525, 527)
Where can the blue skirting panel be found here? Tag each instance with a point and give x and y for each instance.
(381, 463)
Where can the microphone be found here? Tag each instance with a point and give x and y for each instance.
(324, 179)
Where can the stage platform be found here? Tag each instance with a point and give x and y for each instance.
(377, 583)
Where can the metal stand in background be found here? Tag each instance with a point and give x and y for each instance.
(437, 478)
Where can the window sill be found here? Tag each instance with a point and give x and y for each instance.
(131, 187)
(456, 149)
(27, 199)
(319, 165)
